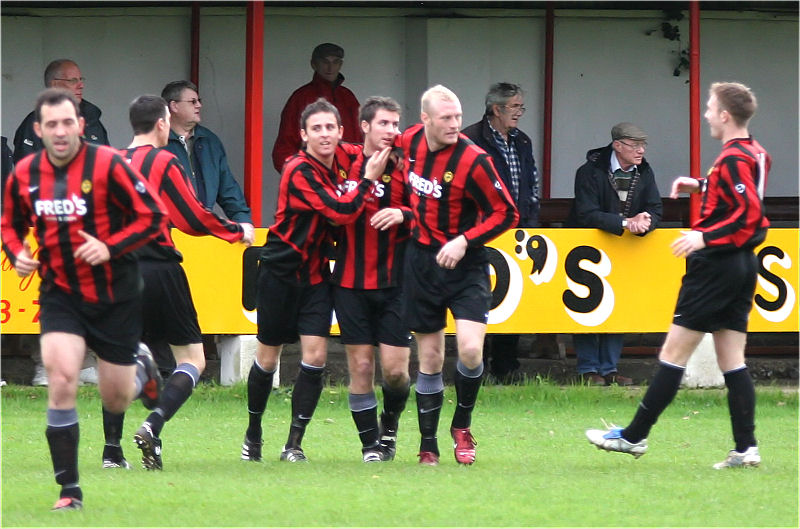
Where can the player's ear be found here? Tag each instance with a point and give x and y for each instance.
(364, 126)
(37, 128)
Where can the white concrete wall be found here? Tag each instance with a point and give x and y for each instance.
(606, 70)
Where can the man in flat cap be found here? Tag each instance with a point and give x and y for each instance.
(615, 191)
(326, 60)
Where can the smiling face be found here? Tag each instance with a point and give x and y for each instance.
(442, 122)
(321, 135)
(60, 129)
(381, 131)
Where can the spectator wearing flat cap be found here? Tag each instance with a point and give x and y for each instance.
(326, 61)
(615, 191)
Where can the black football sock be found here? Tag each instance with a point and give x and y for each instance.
(305, 397)
(62, 435)
(259, 386)
(662, 390)
(177, 390)
(364, 409)
(468, 383)
(742, 407)
(430, 397)
(112, 427)
(394, 402)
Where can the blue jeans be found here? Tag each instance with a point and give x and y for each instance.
(597, 353)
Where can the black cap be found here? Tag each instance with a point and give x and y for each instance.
(327, 49)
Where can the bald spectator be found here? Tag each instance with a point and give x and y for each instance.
(326, 61)
(61, 73)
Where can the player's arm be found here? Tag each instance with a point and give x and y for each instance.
(14, 227)
(187, 213)
(497, 210)
(399, 211)
(147, 212)
(313, 193)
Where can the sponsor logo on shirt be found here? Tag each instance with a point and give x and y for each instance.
(61, 209)
(423, 186)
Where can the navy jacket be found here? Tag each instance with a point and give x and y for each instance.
(27, 142)
(528, 201)
(597, 203)
(219, 185)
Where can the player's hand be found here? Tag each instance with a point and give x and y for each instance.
(386, 218)
(249, 236)
(376, 164)
(94, 251)
(25, 264)
(684, 184)
(690, 242)
(397, 157)
(452, 252)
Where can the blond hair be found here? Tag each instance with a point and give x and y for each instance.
(439, 92)
(738, 99)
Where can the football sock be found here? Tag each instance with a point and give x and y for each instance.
(62, 435)
(112, 427)
(305, 397)
(430, 396)
(364, 409)
(742, 407)
(259, 386)
(468, 383)
(662, 390)
(394, 402)
(177, 389)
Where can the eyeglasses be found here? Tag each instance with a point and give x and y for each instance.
(515, 108)
(71, 80)
(192, 101)
(635, 146)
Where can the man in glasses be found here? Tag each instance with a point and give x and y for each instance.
(65, 74)
(512, 154)
(615, 191)
(202, 156)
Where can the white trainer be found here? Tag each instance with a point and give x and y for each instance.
(612, 441)
(748, 458)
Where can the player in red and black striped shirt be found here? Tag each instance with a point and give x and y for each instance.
(168, 311)
(90, 210)
(459, 204)
(366, 278)
(716, 294)
(294, 297)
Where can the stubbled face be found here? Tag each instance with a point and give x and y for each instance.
(60, 129)
(328, 67)
(69, 78)
(187, 109)
(381, 131)
(714, 117)
(321, 134)
(442, 123)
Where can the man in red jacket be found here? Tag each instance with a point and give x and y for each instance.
(326, 60)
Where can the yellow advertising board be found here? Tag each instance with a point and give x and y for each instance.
(544, 280)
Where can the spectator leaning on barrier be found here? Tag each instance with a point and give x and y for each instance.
(512, 154)
(615, 191)
(326, 61)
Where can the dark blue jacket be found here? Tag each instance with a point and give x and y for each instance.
(27, 142)
(597, 203)
(528, 202)
(219, 185)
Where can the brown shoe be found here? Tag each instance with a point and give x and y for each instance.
(616, 378)
(593, 379)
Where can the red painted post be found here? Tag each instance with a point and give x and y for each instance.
(253, 110)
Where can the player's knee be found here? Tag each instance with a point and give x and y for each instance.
(396, 377)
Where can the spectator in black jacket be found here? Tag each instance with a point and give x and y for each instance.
(61, 73)
(615, 190)
(512, 154)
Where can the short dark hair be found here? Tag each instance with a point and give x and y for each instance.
(145, 111)
(53, 70)
(738, 99)
(172, 91)
(375, 103)
(52, 97)
(499, 94)
(317, 107)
